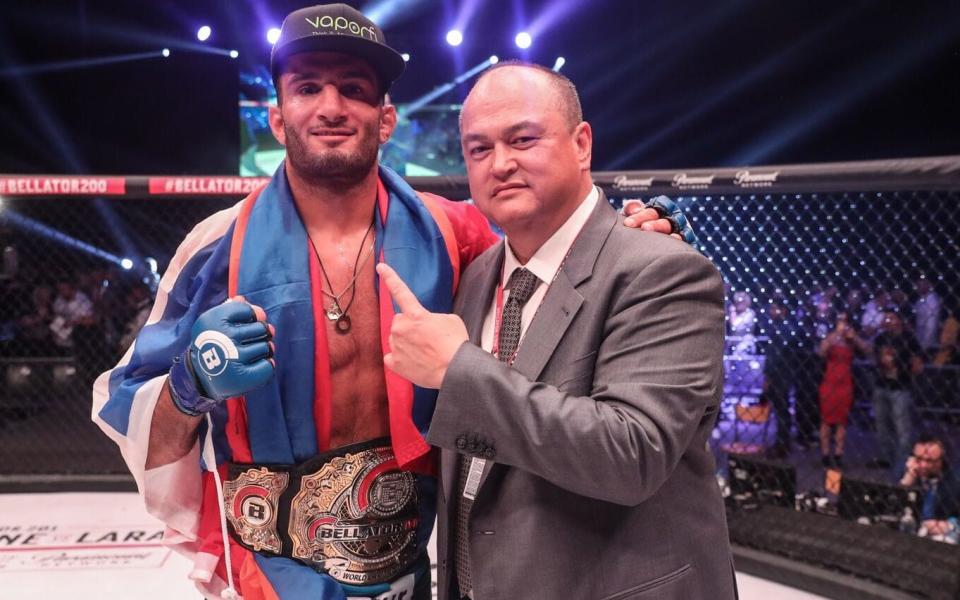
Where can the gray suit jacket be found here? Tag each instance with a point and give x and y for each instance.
(599, 483)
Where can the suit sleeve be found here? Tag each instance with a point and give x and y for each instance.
(657, 377)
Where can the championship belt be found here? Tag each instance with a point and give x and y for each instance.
(350, 512)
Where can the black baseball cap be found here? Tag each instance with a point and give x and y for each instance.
(336, 28)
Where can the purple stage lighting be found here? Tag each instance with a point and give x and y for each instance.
(523, 40)
(203, 34)
(454, 37)
(273, 35)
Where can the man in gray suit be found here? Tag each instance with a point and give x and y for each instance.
(579, 390)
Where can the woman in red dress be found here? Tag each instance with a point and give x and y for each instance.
(836, 389)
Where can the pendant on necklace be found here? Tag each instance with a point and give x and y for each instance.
(334, 313)
(343, 324)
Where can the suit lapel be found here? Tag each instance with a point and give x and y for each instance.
(562, 301)
(475, 296)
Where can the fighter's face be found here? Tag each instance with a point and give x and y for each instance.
(330, 117)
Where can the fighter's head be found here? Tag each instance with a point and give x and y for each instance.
(332, 69)
(336, 28)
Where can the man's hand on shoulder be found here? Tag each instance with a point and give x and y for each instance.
(422, 343)
(661, 215)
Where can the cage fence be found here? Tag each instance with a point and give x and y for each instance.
(841, 400)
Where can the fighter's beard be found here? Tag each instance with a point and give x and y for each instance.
(333, 167)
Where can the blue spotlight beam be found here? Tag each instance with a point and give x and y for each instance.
(386, 12)
(429, 97)
(736, 85)
(33, 226)
(55, 135)
(465, 14)
(554, 13)
(821, 108)
(83, 63)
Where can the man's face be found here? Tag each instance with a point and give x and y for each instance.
(330, 119)
(524, 164)
(929, 459)
(892, 323)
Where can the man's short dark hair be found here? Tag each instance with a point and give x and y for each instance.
(566, 90)
(929, 438)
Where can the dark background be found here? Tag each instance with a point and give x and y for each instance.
(665, 84)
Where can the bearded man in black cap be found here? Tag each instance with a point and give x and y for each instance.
(254, 409)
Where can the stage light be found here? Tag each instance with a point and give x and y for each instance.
(406, 57)
(203, 34)
(273, 35)
(523, 40)
(558, 64)
(126, 263)
(494, 59)
(454, 37)
(412, 107)
(234, 54)
(165, 52)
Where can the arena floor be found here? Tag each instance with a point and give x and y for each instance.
(103, 546)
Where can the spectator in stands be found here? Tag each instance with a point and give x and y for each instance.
(926, 312)
(742, 321)
(34, 337)
(898, 359)
(779, 367)
(815, 323)
(947, 353)
(837, 350)
(900, 302)
(71, 308)
(853, 305)
(872, 320)
(928, 469)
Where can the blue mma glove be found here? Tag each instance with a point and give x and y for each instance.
(668, 209)
(230, 355)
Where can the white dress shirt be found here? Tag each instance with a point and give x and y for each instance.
(545, 263)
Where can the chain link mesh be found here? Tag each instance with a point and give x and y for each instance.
(804, 422)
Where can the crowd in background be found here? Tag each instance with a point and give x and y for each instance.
(91, 316)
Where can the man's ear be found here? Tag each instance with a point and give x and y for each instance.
(275, 117)
(583, 138)
(388, 120)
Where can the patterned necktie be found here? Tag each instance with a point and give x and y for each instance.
(522, 285)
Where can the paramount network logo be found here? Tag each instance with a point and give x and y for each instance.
(623, 182)
(692, 182)
(748, 179)
(341, 24)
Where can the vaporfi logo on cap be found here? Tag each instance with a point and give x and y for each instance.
(326, 24)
